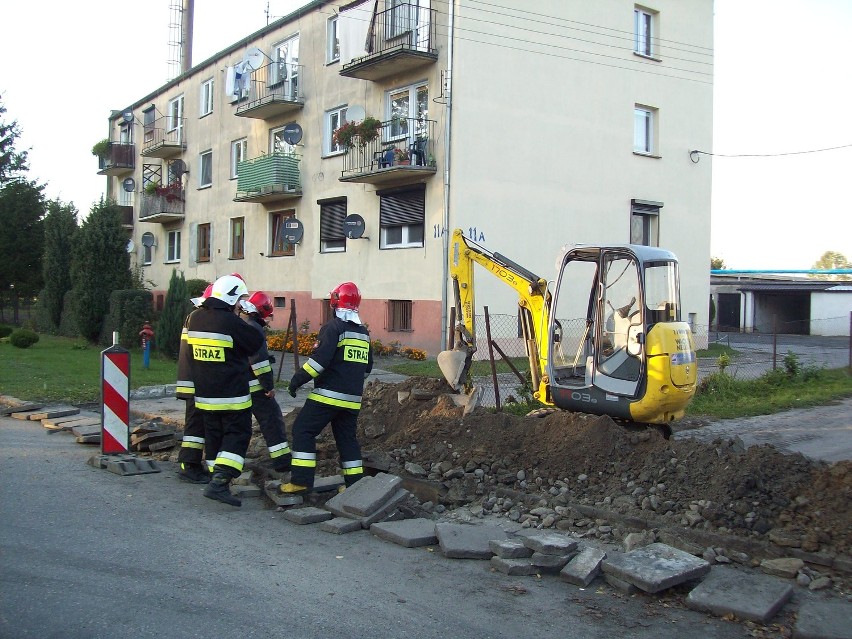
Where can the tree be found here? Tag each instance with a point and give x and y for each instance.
(12, 162)
(100, 266)
(21, 238)
(831, 260)
(175, 309)
(60, 226)
(717, 264)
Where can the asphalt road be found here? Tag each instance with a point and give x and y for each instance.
(89, 554)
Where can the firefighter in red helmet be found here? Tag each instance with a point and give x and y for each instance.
(258, 310)
(339, 364)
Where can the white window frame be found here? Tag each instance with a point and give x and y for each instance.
(643, 32)
(173, 239)
(332, 49)
(400, 118)
(206, 106)
(277, 143)
(125, 198)
(239, 148)
(285, 68)
(405, 241)
(334, 118)
(147, 255)
(174, 121)
(208, 156)
(644, 130)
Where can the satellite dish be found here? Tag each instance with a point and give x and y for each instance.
(353, 226)
(148, 239)
(178, 167)
(292, 134)
(254, 58)
(355, 113)
(127, 116)
(293, 231)
(131, 246)
(129, 185)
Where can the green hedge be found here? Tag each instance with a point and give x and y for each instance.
(128, 310)
(23, 338)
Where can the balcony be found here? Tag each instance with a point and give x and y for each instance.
(120, 158)
(126, 216)
(163, 205)
(402, 39)
(164, 138)
(402, 153)
(273, 90)
(269, 178)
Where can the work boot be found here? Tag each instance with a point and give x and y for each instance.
(218, 489)
(292, 489)
(193, 473)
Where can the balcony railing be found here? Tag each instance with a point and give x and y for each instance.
(120, 158)
(163, 206)
(268, 178)
(164, 138)
(274, 89)
(404, 151)
(402, 38)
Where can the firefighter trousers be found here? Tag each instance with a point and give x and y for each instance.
(226, 438)
(267, 412)
(192, 446)
(310, 422)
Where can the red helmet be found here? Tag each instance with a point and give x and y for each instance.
(207, 291)
(345, 296)
(237, 275)
(260, 303)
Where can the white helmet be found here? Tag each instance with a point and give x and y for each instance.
(229, 289)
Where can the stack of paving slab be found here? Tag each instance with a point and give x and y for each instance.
(85, 426)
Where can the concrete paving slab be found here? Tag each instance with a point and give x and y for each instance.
(513, 566)
(124, 464)
(243, 491)
(57, 422)
(510, 548)
(327, 484)
(549, 564)
(18, 406)
(824, 620)
(744, 594)
(549, 543)
(49, 413)
(619, 584)
(655, 567)
(340, 525)
(584, 567)
(465, 541)
(270, 489)
(367, 495)
(84, 430)
(308, 515)
(72, 423)
(92, 439)
(386, 510)
(411, 533)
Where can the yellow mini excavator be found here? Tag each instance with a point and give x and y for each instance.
(608, 340)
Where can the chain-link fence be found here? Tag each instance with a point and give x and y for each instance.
(749, 355)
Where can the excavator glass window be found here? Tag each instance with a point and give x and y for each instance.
(661, 298)
(621, 307)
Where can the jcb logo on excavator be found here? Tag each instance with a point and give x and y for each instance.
(208, 353)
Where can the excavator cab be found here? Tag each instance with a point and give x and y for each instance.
(615, 340)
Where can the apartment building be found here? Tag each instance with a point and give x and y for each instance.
(530, 127)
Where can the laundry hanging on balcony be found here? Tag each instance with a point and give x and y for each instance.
(237, 80)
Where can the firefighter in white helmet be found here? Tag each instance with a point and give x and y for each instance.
(221, 344)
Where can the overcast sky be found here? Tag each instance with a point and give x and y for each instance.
(782, 86)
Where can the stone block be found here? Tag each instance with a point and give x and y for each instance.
(466, 541)
(241, 490)
(549, 564)
(53, 413)
(786, 567)
(510, 549)
(20, 408)
(340, 525)
(584, 567)
(308, 515)
(411, 533)
(823, 620)
(744, 594)
(655, 567)
(385, 510)
(621, 585)
(368, 495)
(510, 566)
(548, 543)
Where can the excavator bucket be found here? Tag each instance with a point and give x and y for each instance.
(453, 365)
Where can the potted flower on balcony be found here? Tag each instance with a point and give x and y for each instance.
(401, 156)
(360, 133)
(101, 148)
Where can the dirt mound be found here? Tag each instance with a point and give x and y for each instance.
(572, 458)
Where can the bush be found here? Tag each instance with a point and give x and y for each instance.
(5, 330)
(23, 338)
(195, 287)
(128, 310)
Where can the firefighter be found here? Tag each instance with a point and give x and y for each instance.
(192, 468)
(221, 344)
(258, 312)
(339, 364)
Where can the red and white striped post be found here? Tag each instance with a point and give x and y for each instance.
(115, 399)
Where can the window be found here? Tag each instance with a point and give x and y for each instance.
(280, 246)
(408, 109)
(174, 122)
(125, 198)
(151, 174)
(402, 18)
(173, 250)
(238, 154)
(277, 143)
(399, 315)
(206, 98)
(204, 238)
(401, 218)
(238, 238)
(125, 134)
(334, 119)
(148, 117)
(332, 41)
(174, 170)
(147, 254)
(280, 302)
(285, 67)
(332, 235)
(644, 131)
(205, 169)
(644, 222)
(643, 34)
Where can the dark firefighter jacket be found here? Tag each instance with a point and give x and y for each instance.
(185, 388)
(261, 366)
